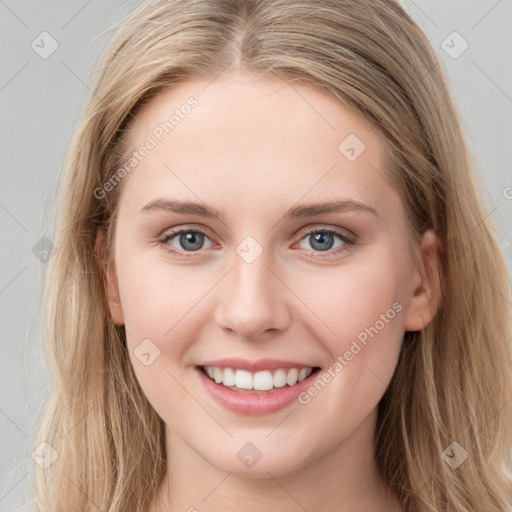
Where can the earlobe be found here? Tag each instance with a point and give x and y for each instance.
(425, 294)
(109, 278)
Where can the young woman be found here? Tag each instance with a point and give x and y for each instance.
(276, 285)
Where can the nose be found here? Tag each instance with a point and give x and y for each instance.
(252, 300)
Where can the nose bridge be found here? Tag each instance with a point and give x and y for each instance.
(252, 299)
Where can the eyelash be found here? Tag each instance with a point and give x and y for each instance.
(349, 242)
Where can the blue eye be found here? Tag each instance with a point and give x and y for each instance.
(190, 240)
(322, 242)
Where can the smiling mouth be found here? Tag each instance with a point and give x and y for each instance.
(261, 382)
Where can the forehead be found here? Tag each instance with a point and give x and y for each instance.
(263, 135)
(247, 105)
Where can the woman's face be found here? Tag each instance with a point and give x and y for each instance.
(259, 235)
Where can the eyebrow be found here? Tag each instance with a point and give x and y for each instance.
(296, 212)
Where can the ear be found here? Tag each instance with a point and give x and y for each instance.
(425, 291)
(109, 278)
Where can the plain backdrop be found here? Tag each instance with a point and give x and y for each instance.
(43, 86)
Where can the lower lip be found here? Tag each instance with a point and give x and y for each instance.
(253, 405)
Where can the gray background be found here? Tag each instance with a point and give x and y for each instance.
(40, 100)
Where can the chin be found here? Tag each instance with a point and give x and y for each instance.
(275, 465)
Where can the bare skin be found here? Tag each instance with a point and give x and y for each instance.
(253, 148)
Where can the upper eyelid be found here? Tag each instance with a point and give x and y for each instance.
(349, 242)
(321, 227)
(305, 231)
(314, 227)
(173, 232)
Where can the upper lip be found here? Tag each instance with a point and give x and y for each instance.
(255, 366)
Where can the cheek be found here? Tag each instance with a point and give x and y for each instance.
(348, 301)
(159, 307)
(159, 300)
(362, 308)
(340, 303)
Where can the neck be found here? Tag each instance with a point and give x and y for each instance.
(343, 480)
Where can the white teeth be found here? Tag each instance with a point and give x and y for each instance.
(243, 379)
(280, 378)
(293, 377)
(229, 377)
(263, 381)
(259, 381)
(303, 373)
(218, 375)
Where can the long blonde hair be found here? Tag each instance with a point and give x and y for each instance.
(453, 380)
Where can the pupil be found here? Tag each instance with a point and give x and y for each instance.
(191, 238)
(320, 238)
